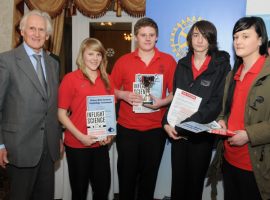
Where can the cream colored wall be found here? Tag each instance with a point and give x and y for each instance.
(6, 19)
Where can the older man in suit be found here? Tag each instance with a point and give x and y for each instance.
(29, 127)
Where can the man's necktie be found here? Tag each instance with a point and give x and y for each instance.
(40, 74)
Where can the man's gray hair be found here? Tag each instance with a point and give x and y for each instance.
(45, 15)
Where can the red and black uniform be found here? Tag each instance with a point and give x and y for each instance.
(239, 156)
(191, 158)
(140, 139)
(84, 163)
(237, 169)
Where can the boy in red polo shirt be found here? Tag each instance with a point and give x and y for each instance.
(140, 139)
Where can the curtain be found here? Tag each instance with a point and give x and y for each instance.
(135, 8)
(18, 12)
(97, 8)
(92, 8)
(53, 7)
(56, 37)
(89, 8)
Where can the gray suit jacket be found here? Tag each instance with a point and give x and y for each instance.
(24, 111)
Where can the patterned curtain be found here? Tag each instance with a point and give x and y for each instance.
(53, 7)
(135, 8)
(18, 12)
(97, 8)
(92, 8)
(89, 8)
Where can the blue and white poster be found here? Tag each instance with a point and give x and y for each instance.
(174, 19)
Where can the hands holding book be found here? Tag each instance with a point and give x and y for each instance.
(172, 132)
(105, 142)
(86, 140)
(240, 139)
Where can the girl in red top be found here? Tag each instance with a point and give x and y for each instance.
(247, 114)
(86, 159)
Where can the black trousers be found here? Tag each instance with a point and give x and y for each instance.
(190, 161)
(86, 164)
(239, 184)
(139, 152)
(40, 178)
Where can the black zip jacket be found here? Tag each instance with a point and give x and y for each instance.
(209, 86)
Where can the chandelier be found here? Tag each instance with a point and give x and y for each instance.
(128, 36)
(107, 23)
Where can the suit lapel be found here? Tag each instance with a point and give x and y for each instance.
(26, 65)
(49, 72)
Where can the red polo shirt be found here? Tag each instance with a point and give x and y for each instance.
(73, 91)
(124, 72)
(204, 67)
(239, 156)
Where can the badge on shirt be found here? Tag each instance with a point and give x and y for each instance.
(205, 82)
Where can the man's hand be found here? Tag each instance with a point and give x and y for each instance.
(61, 146)
(131, 97)
(105, 142)
(3, 158)
(171, 132)
(158, 103)
(240, 139)
(222, 124)
(86, 140)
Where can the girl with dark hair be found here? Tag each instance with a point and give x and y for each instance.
(202, 72)
(246, 108)
(87, 159)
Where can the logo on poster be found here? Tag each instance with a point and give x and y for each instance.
(179, 40)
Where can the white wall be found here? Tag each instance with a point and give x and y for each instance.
(258, 7)
(6, 20)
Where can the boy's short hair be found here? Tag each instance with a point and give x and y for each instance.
(144, 22)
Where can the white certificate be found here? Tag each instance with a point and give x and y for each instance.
(184, 104)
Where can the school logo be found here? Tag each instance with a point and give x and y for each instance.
(179, 40)
(161, 68)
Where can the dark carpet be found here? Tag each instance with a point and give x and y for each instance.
(5, 185)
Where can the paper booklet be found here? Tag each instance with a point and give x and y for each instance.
(184, 104)
(100, 116)
(156, 91)
(212, 127)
